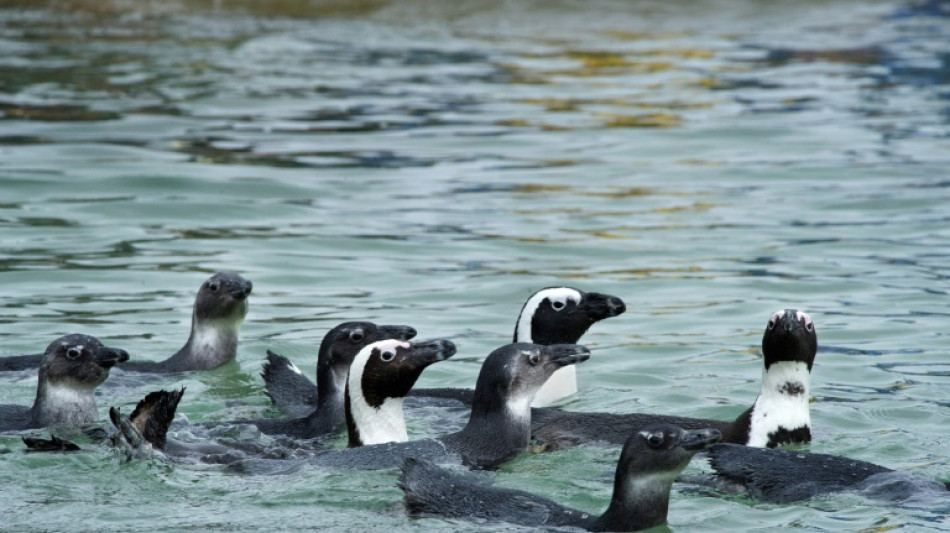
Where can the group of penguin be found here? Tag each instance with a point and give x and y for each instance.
(364, 383)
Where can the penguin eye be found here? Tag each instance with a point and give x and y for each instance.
(73, 353)
(387, 356)
(356, 335)
(655, 440)
(534, 358)
(213, 286)
(773, 320)
(806, 320)
(557, 305)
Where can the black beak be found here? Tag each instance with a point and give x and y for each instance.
(109, 357)
(699, 439)
(434, 351)
(567, 354)
(402, 333)
(600, 306)
(241, 289)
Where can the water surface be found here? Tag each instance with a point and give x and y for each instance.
(404, 162)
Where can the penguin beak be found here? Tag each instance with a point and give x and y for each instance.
(567, 354)
(699, 439)
(241, 289)
(109, 357)
(433, 351)
(600, 306)
(402, 333)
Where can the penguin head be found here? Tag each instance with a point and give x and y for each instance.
(561, 315)
(790, 337)
(79, 362)
(223, 296)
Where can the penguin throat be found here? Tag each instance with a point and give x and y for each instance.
(780, 414)
(65, 404)
(214, 341)
(378, 425)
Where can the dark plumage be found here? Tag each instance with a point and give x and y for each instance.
(147, 427)
(322, 403)
(553, 315)
(651, 459)
(219, 310)
(783, 476)
(497, 430)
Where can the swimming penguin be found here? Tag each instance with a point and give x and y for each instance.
(651, 459)
(72, 367)
(498, 429)
(779, 415)
(382, 374)
(292, 392)
(554, 315)
(784, 476)
(379, 376)
(219, 311)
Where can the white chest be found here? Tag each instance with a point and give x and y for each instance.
(782, 402)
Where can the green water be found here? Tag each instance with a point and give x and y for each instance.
(433, 164)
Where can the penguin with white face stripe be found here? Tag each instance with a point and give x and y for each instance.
(780, 414)
(380, 377)
(561, 315)
(553, 315)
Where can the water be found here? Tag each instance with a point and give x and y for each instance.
(429, 164)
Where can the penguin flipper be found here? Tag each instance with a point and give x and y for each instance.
(291, 391)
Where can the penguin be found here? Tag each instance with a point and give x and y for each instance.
(71, 369)
(293, 393)
(651, 459)
(787, 476)
(219, 311)
(382, 374)
(779, 416)
(553, 315)
(498, 429)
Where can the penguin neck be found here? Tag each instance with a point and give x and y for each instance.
(638, 502)
(498, 428)
(59, 404)
(780, 414)
(212, 343)
(374, 425)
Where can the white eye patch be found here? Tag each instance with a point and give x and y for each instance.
(803, 317)
(388, 345)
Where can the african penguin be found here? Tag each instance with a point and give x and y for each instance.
(320, 406)
(780, 414)
(72, 367)
(219, 311)
(553, 315)
(650, 460)
(499, 426)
